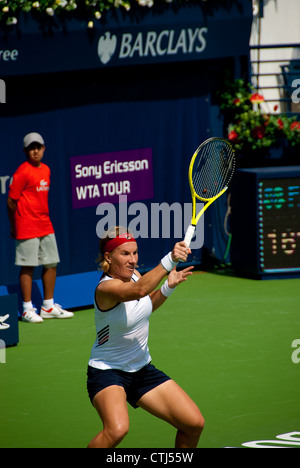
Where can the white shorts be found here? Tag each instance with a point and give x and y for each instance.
(37, 251)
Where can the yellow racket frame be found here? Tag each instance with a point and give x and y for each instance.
(208, 201)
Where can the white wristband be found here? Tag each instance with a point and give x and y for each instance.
(168, 263)
(166, 290)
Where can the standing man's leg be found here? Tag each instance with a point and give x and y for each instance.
(49, 279)
(26, 275)
(49, 258)
(29, 312)
(49, 309)
(26, 258)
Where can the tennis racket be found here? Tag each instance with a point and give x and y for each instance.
(211, 170)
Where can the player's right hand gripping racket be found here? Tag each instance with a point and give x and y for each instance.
(211, 170)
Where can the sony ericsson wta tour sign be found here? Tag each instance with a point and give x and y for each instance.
(103, 178)
(149, 46)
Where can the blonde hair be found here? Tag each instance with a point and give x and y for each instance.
(111, 233)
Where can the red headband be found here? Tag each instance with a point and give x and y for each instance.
(112, 244)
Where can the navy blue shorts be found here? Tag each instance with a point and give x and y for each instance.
(135, 384)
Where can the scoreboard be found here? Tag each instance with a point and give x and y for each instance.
(279, 224)
(265, 221)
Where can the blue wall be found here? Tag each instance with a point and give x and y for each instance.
(173, 129)
(169, 108)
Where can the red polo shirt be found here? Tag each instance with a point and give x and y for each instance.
(30, 188)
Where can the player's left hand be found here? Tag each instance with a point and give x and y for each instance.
(177, 277)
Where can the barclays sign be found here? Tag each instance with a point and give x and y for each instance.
(191, 33)
(150, 45)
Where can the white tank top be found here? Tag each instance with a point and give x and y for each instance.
(122, 335)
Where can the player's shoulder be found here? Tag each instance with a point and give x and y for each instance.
(105, 278)
(107, 284)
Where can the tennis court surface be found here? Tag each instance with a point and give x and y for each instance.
(227, 341)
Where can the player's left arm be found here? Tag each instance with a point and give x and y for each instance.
(175, 278)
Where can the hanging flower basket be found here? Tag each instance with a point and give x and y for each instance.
(254, 133)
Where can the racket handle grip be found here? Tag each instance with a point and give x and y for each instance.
(189, 234)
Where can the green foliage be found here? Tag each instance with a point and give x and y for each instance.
(93, 9)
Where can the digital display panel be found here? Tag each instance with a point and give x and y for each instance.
(279, 224)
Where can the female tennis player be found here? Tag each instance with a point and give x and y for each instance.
(120, 368)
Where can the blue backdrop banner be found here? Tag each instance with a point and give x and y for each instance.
(119, 138)
(144, 146)
(194, 31)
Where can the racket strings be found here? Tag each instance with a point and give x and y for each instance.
(228, 162)
(206, 179)
(213, 169)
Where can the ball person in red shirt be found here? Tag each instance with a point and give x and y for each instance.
(32, 228)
